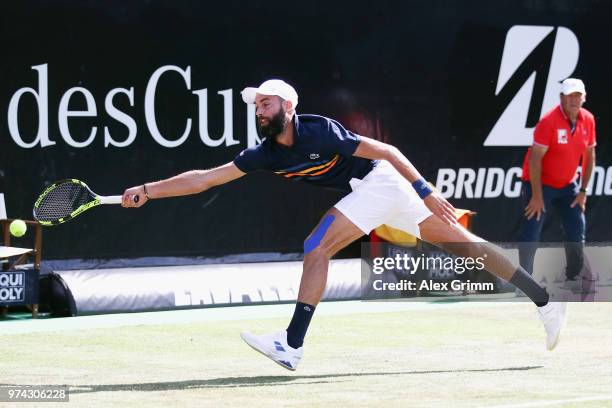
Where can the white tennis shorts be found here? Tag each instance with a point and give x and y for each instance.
(384, 196)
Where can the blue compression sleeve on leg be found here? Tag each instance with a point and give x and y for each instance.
(315, 239)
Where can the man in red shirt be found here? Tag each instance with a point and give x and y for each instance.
(562, 137)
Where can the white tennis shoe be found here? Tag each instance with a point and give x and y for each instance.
(553, 316)
(275, 347)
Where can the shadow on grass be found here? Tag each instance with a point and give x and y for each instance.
(266, 380)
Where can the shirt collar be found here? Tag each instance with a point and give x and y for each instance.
(296, 126)
(579, 117)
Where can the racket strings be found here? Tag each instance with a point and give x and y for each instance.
(61, 201)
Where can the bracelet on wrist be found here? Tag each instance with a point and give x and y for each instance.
(584, 190)
(422, 188)
(144, 186)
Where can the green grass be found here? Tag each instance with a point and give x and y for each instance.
(481, 355)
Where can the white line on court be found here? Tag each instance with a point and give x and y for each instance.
(224, 314)
(555, 402)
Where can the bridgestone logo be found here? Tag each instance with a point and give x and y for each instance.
(521, 41)
(493, 182)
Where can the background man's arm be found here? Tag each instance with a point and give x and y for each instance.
(375, 150)
(536, 203)
(190, 182)
(589, 164)
(587, 171)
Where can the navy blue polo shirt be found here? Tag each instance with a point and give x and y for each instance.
(321, 154)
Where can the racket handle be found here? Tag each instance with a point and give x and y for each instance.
(115, 199)
(111, 199)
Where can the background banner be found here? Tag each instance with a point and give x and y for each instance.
(117, 94)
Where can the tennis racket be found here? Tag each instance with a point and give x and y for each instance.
(65, 199)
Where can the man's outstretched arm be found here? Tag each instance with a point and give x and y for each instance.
(190, 182)
(375, 150)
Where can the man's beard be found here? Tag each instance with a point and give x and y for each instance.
(276, 125)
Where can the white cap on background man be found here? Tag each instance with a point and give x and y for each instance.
(571, 85)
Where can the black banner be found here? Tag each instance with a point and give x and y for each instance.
(117, 94)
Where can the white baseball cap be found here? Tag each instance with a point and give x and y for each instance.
(271, 87)
(571, 85)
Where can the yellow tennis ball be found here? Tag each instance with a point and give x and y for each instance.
(18, 228)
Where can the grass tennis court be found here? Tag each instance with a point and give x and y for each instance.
(401, 354)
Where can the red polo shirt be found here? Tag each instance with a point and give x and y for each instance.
(565, 148)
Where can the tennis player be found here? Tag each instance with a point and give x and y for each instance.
(381, 186)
